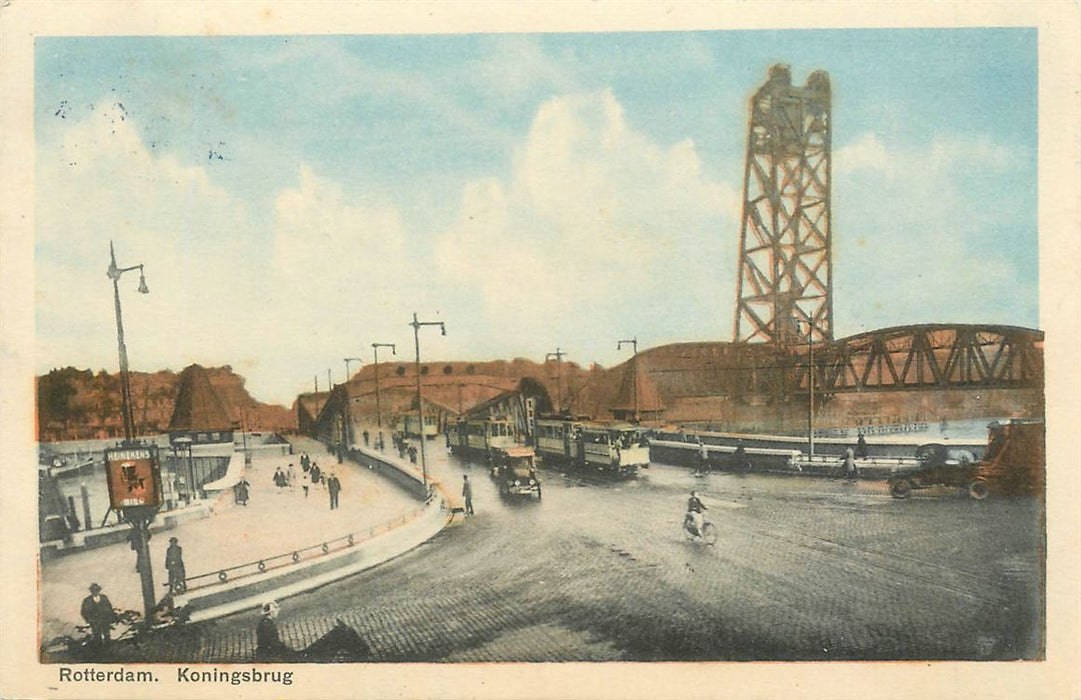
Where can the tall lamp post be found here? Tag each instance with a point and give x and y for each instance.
(375, 350)
(244, 435)
(347, 420)
(114, 274)
(420, 405)
(347, 361)
(139, 517)
(558, 354)
(634, 343)
(810, 390)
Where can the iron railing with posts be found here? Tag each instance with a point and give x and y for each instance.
(294, 557)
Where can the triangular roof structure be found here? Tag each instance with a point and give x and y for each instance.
(198, 406)
(649, 398)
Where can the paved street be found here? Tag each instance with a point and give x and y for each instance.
(804, 569)
(274, 522)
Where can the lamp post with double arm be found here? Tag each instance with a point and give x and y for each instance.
(375, 351)
(420, 405)
(139, 516)
(634, 343)
(114, 273)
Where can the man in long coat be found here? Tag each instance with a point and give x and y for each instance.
(174, 564)
(98, 613)
(334, 487)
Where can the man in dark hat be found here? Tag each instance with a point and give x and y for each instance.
(98, 613)
(174, 564)
(334, 487)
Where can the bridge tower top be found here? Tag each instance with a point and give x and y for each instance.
(785, 291)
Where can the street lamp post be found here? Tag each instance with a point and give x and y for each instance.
(375, 350)
(114, 274)
(347, 419)
(244, 435)
(810, 390)
(558, 354)
(420, 406)
(139, 517)
(634, 343)
(183, 443)
(347, 361)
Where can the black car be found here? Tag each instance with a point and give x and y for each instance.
(515, 471)
(939, 465)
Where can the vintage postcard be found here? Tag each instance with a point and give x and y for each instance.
(540, 350)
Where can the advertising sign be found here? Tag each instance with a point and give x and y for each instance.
(134, 477)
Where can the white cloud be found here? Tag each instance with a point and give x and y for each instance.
(99, 183)
(930, 233)
(316, 224)
(592, 210)
(866, 152)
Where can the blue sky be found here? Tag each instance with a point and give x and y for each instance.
(296, 198)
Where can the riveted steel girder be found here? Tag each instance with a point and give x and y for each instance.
(933, 356)
(784, 288)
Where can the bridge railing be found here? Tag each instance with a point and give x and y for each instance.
(295, 557)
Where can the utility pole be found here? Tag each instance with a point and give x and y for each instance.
(375, 350)
(347, 419)
(420, 405)
(811, 389)
(558, 354)
(634, 343)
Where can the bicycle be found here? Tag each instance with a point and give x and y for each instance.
(81, 644)
(707, 535)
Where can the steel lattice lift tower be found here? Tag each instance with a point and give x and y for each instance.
(784, 293)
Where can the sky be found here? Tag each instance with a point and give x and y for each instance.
(295, 199)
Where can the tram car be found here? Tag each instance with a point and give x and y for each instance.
(483, 436)
(617, 449)
(431, 426)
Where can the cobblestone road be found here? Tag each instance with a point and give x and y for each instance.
(805, 569)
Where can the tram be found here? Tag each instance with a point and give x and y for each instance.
(431, 426)
(482, 435)
(616, 448)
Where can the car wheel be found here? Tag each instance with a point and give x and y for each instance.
(901, 488)
(978, 489)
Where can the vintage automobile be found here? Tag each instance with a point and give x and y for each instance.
(939, 465)
(515, 471)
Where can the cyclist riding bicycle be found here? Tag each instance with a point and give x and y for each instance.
(695, 509)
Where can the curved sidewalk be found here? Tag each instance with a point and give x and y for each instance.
(274, 522)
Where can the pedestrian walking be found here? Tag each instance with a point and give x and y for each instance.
(365, 438)
(412, 454)
(315, 474)
(174, 564)
(703, 459)
(334, 487)
(291, 476)
(98, 612)
(467, 494)
(305, 481)
(305, 462)
(279, 479)
(241, 490)
(850, 465)
(861, 446)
